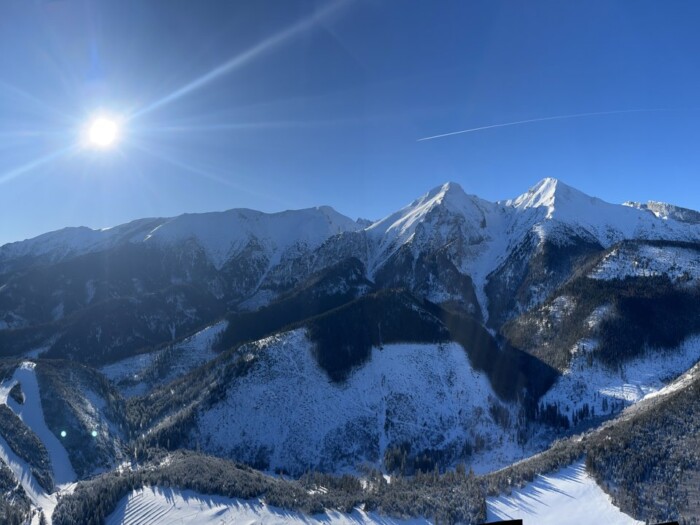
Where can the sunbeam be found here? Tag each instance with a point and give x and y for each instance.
(207, 174)
(43, 106)
(245, 57)
(246, 126)
(36, 163)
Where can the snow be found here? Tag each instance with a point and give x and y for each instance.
(400, 227)
(161, 506)
(608, 223)
(567, 496)
(90, 290)
(649, 261)
(130, 374)
(224, 234)
(22, 472)
(287, 411)
(478, 235)
(220, 234)
(32, 414)
(639, 378)
(70, 242)
(127, 374)
(664, 210)
(57, 312)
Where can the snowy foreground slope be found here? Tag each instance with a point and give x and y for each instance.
(285, 412)
(569, 496)
(161, 506)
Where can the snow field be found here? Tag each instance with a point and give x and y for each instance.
(642, 377)
(649, 261)
(166, 506)
(186, 356)
(288, 414)
(569, 496)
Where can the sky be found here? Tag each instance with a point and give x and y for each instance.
(287, 104)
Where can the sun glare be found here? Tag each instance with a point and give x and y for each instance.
(102, 132)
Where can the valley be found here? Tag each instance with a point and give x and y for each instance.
(465, 350)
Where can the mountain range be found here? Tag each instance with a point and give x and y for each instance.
(454, 331)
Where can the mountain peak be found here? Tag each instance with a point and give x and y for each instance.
(550, 193)
(448, 191)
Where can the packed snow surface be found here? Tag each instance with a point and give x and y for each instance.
(165, 506)
(23, 474)
(32, 414)
(567, 496)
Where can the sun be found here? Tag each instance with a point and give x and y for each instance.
(102, 132)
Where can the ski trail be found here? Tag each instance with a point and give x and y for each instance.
(32, 414)
(22, 471)
(169, 506)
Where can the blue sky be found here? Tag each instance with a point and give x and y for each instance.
(294, 103)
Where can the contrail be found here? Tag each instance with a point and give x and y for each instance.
(237, 61)
(542, 119)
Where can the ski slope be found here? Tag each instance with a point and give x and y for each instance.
(567, 496)
(32, 414)
(167, 506)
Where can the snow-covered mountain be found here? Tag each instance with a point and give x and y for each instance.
(221, 235)
(555, 203)
(453, 330)
(493, 260)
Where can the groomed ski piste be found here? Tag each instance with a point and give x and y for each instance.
(569, 496)
(32, 414)
(165, 506)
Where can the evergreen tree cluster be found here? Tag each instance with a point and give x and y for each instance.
(453, 497)
(27, 446)
(644, 313)
(62, 387)
(14, 505)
